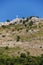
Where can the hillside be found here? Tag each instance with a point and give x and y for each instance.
(22, 35)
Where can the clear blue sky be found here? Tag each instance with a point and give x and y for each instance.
(23, 8)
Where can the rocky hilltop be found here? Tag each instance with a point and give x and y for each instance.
(19, 20)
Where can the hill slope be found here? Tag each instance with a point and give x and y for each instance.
(25, 34)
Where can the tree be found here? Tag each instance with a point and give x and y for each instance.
(21, 21)
(3, 26)
(26, 30)
(8, 20)
(31, 17)
(25, 25)
(27, 19)
(24, 22)
(18, 38)
(3, 35)
(6, 47)
(23, 55)
(23, 17)
(30, 23)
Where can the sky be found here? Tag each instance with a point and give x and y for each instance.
(9, 9)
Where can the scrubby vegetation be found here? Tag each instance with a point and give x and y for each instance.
(18, 38)
(23, 59)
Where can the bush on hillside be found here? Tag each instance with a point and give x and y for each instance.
(18, 38)
(3, 35)
(3, 26)
(6, 47)
(30, 23)
(8, 20)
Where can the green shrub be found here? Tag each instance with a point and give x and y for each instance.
(3, 26)
(23, 59)
(18, 38)
(26, 30)
(30, 23)
(3, 35)
(6, 47)
(23, 55)
(23, 22)
(8, 20)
